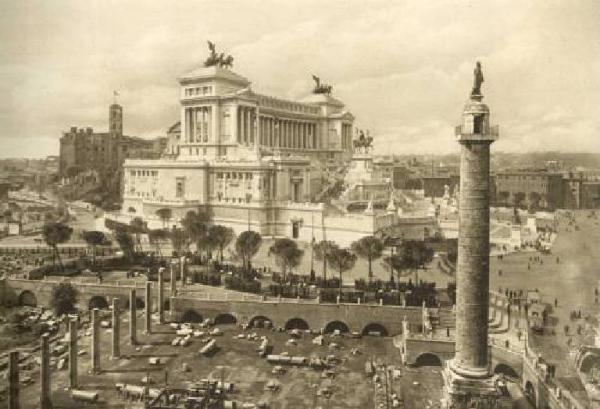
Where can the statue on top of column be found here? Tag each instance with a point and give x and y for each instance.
(215, 59)
(477, 80)
(321, 88)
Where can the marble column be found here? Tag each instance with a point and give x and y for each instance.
(116, 329)
(73, 352)
(13, 380)
(95, 341)
(468, 381)
(148, 300)
(173, 281)
(132, 316)
(182, 271)
(235, 115)
(161, 295)
(45, 387)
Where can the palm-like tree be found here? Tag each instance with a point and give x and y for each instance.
(287, 254)
(178, 239)
(246, 246)
(220, 237)
(321, 250)
(195, 225)
(369, 248)
(55, 234)
(343, 260)
(93, 239)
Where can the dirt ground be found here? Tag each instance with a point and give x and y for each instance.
(237, 361)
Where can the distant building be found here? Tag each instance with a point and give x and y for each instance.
(581, 191)
(537, 188)
(4, 188)
(173, 139)
(590, 194)
(84, 150)
(401, 176)
(435, 186)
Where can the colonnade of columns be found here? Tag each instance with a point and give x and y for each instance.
(198, 124)
(290, 134)
(245, 118)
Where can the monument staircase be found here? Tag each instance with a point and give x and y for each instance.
(335, 177)
(446, 319)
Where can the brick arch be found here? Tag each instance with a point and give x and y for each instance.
(225, 318)
(98, 301)
(139, 303)
(507, 370)
(27, 298)
(375, 327)
(259, 321)
(339, 325)
(191, 316)
(588, 360)
(428, 359)
(296, 323)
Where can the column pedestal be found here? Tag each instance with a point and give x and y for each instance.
(461, 392)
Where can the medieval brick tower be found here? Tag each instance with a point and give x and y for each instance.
(468, 382)
(115, 120)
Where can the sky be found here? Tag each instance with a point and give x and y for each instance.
(403, 68)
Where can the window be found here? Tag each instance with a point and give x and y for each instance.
(478, 124)
(179, 187)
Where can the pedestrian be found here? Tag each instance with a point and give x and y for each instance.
(555, 302)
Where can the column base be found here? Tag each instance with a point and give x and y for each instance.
(464, 392)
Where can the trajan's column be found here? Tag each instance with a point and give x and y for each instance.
(468, 382)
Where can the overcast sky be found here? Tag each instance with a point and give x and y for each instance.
(403, 68)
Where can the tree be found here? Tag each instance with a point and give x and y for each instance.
(321, 250)
(396, 262)
(93, 239)
(415, 254)
(54, 234)
(369, 248)
(178, 240)
(156, 236)
(220, 237)
(287, 254)
(343, 260)
(64, 298)
(165, 215)
(125, 242)
(138, 227)
(195, 225)
(246, 246)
